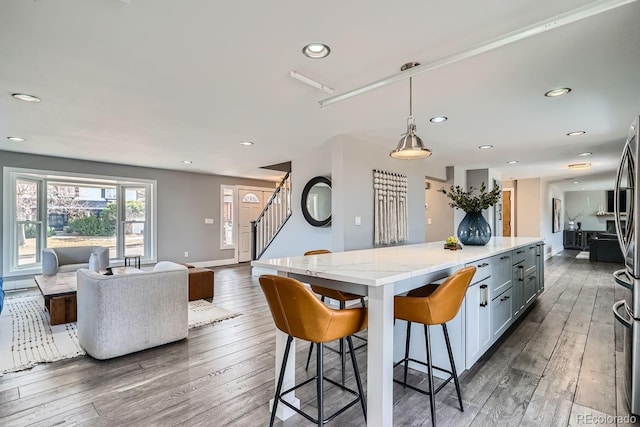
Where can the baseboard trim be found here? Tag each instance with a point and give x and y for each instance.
(214, 263)
(16, 285)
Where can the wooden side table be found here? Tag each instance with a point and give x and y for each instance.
(200, 283)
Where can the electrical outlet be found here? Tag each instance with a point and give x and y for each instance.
(358, 220)
(208, 220)
(186, 254)
(428, 221)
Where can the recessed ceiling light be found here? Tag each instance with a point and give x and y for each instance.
(512, 162)
(187, 162)
(576, 182)
(316, 50)
(558, 92)
(16, 139)
(25, 97)
(578, 166)
(576, 133)
(246, 143)
(438, 119)
(484, 147)
(585, 154)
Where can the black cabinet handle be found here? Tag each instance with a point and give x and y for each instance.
(532, 247)
(485, 295)
(505, 257)
(504, 298)
(484, 264)
(520, 252)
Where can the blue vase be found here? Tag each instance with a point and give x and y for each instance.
(474, 230)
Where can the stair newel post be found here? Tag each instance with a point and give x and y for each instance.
(254, 242)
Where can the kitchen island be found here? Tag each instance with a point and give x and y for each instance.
(508, 278)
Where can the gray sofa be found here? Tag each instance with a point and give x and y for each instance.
(125, 313)
(72, 258)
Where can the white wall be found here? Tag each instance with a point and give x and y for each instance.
(438, 212)
(353, 162)
(529, 208)
(298, 236)
(533, 207)
(552, 240)
(586, 203)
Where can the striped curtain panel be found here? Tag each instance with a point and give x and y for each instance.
(390, 216)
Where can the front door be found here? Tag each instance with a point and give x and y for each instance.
(250, 202)
(506, 213)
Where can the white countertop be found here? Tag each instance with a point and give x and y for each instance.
(380, 266)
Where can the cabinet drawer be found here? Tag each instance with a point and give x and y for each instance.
(530, 288)
(530, 259)
(483, 269)
(518, 255)
(501, 312)
(501, 273)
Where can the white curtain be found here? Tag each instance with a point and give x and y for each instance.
(390, 216)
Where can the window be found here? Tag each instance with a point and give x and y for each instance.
(227, 237)
(250, 198)
(28, 223)
(45, 209)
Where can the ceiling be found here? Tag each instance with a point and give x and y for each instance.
(152, 83)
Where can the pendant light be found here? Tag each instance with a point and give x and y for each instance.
(410, 146)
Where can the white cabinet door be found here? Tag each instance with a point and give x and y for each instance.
(478, 321)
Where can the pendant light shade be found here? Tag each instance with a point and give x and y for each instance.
(410, 145)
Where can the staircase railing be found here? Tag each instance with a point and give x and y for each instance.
(275, 214)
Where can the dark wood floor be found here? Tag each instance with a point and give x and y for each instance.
(557, 366)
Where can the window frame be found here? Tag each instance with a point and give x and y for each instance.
(234, 209)
(11, 175)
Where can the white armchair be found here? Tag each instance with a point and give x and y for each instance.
(125, 313)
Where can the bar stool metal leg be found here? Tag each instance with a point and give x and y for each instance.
(343, 354)
(432, 394)
(280, 380)
(453, 364)
(319, 383)
(356, 370)
(406, 351)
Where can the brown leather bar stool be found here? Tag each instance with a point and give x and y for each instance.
(433, 305)
(342, 298)
(297, 312)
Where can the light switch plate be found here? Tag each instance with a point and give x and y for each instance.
(208, 220)
(358, 220)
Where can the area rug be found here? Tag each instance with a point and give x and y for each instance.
(583, 255)
(27, 338)
(202, 313)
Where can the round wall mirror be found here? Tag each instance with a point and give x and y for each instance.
(316, 201)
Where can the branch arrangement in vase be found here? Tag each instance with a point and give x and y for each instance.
(469, 201)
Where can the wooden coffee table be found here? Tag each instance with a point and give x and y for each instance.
(59, 294)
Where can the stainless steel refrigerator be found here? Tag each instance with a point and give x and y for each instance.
(627, 311)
